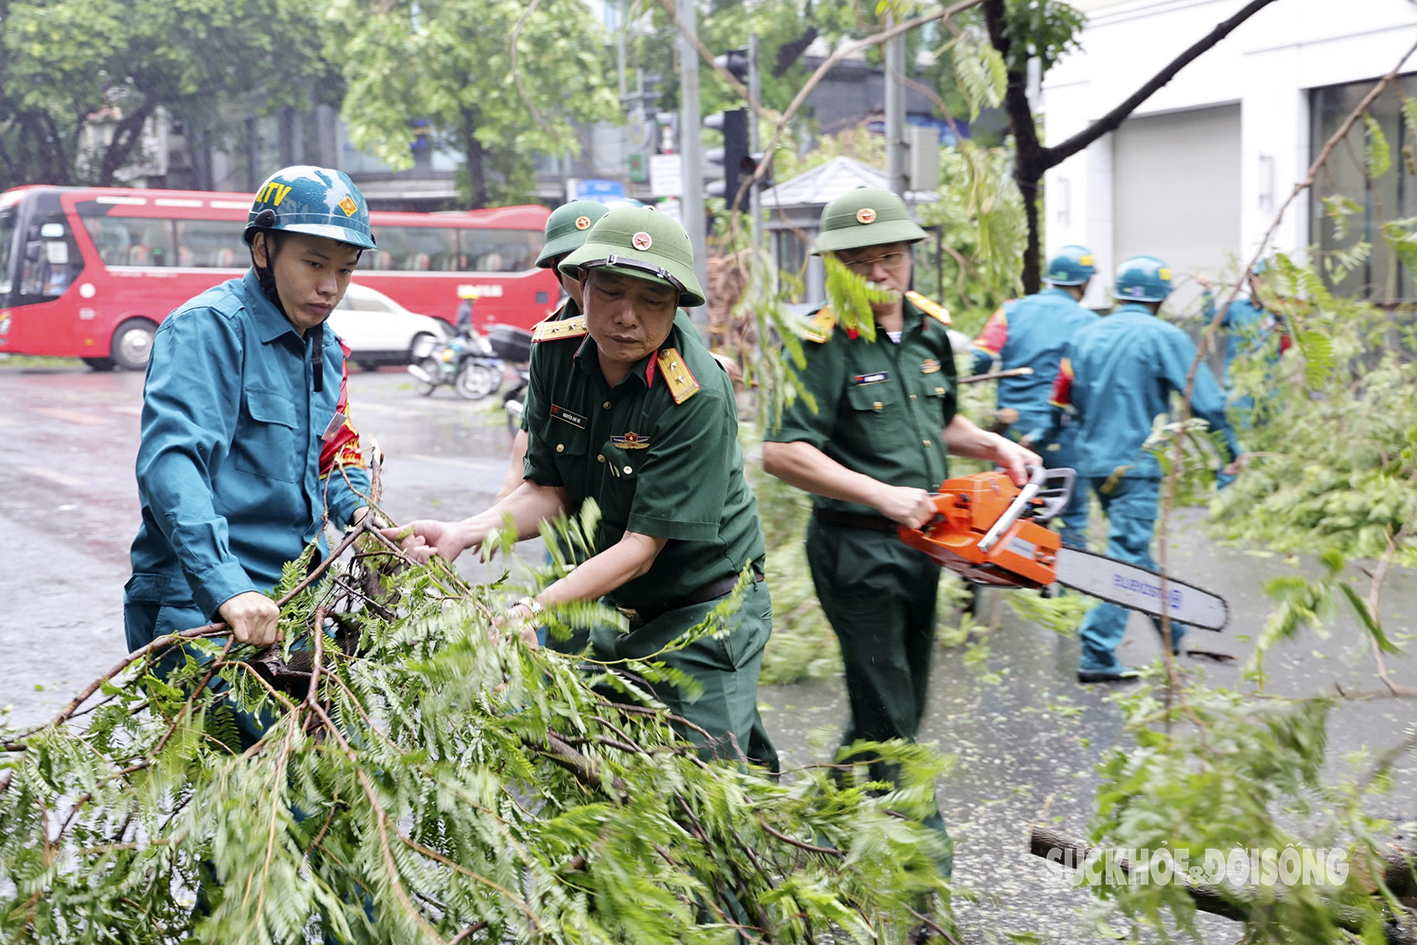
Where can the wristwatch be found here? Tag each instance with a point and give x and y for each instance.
(534, 607)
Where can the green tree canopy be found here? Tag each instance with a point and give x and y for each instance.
(452, 63)
(67, 66)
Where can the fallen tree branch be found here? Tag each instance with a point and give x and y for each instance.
(1224, 901)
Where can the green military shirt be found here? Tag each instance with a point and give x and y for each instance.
(658, 452)
(882, 407)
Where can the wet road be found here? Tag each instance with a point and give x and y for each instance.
(1027, 740)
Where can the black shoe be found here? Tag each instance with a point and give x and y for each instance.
(1109, 675)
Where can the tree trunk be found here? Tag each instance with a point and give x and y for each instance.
(475, 157)
(125, 136)
(1028, 160)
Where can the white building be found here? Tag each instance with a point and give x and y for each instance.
(1198, 172)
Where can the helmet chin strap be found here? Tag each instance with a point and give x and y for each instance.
(265, 277)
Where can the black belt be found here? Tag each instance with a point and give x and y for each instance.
(875, 523)
(710, 591)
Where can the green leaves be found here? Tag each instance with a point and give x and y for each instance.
(445, 778)
(981, 73)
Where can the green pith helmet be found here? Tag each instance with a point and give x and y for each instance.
(645, 244)
(567, 227)
(1072, 266)
(1142, 279)
(317, 201)
(865, 216)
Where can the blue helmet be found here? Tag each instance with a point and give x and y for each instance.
(1142, 279)
(1072, 266)
(317, 201)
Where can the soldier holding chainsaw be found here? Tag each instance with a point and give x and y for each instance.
(870, 453)
(1117, 375)
(1032, 332)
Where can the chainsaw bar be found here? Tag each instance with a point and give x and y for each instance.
(1138, 588)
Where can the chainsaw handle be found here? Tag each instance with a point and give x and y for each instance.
(1037, 477)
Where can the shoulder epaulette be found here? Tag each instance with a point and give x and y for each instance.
(556, 330)
(681, 381)
(555, 315)
(934, 309)
(819, 327)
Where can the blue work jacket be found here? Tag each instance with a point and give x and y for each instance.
(234, 466)
(1118, 374)
(1247, 327)
(1030, 332)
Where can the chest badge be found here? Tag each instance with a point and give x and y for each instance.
(874, 378)
(630, 441)
(930, 366)
(574, 419)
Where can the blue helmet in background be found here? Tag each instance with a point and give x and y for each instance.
(316, 201)
(1072, 266)
(1142, 279)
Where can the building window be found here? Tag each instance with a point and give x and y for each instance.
(1374, 201)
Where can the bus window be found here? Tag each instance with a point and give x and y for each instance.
(50, 259)
(211, 244)
(9, 218)
(128, 241)
(413, 249)
(498, 250)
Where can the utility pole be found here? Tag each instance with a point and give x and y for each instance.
(691, 148)
(896, 178)
(755, 89)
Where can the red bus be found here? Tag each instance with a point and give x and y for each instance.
(89, 272)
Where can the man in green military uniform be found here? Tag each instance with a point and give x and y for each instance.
(871, 454)
(565, 232)
(628, 408)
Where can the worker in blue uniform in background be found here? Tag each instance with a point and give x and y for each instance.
(1248, 326)
(1117, 375)
(1032, 332)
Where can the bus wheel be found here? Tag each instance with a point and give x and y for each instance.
(100, 364)
(133, 344)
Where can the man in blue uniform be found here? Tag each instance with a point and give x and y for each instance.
(247, 447)
(1032, 332)
(1117, 375)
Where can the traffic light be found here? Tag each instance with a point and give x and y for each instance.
(730, 157)
(735, 61)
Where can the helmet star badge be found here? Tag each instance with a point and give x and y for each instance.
(348, 205)
(865, 215)
(582, 223)
(641, 241)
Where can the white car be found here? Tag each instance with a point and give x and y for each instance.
(380, 331)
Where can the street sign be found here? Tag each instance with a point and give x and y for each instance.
(639, 169)
(671, 209)
(666, 178)
(592, 189)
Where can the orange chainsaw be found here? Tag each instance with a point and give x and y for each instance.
(990, 531)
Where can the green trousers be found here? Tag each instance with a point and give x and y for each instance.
(727, 666)
(879, 595)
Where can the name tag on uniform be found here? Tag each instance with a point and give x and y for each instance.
(336, 422)
(929, 367)
(875, 378)
(574, 419)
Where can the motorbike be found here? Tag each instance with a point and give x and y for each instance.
(464, 361)
(513, 346)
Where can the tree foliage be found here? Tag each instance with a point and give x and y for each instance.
(448, 70)
(76, 72)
